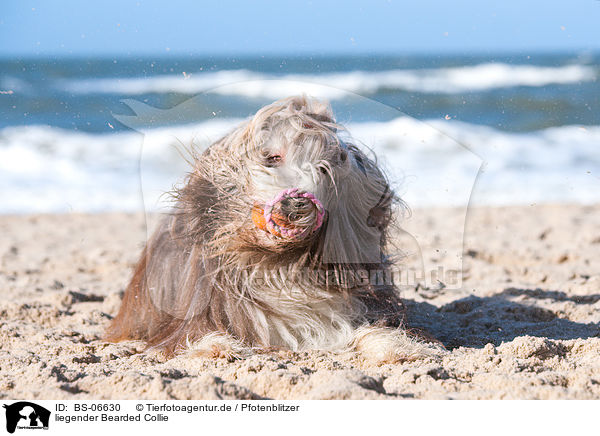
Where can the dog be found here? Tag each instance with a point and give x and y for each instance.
(271, 244)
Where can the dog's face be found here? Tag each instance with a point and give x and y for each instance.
(291, 179)
(302, 154)
(296, 144)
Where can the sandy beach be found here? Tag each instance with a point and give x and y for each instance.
(524, 325)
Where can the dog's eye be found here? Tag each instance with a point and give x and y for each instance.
(273, 160)
(343, 156)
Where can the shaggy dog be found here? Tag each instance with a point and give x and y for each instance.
(273, 242)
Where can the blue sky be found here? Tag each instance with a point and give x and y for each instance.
(177, 27)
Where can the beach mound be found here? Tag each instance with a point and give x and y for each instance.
(525, 323)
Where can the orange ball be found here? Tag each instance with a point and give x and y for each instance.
(258, 218)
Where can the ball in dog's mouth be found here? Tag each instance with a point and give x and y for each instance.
(292, 214)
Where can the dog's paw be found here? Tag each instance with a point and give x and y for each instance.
(380, 345)
(217, 346)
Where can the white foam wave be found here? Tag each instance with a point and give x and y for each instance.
(449, 80)
(44, 169)
(437, 162)
(48, 169)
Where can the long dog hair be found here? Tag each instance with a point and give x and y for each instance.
(208, 271)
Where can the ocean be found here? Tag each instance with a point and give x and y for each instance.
(92, 135)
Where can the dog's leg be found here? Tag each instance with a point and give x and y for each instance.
(379, 345)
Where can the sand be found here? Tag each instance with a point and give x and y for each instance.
(524, 325)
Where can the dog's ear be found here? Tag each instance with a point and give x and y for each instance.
(380, 215)
(172, 295)
(144, 310)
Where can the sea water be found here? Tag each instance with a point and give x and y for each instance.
(107, 134)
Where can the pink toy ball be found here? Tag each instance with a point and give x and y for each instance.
(272, 219)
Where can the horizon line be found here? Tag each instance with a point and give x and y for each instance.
(304, 55)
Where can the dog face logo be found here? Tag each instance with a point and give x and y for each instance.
(26, 415)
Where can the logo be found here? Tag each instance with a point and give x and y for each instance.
(26, 415)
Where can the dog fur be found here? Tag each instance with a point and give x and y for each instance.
(209, 280)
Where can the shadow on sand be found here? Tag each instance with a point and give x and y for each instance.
(475, 321)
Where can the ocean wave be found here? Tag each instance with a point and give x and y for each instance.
(450, 80)
(436, 162)
(49, 169)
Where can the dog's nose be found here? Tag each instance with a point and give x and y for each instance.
(295, 208)
(292, 214)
